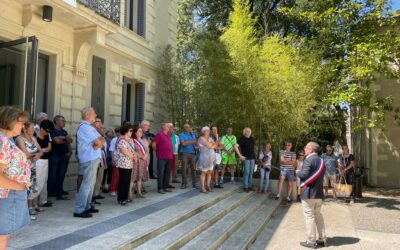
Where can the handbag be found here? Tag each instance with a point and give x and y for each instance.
(343, 190)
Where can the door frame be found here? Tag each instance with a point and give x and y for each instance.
(30, 73)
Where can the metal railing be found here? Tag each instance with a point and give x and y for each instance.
(110, 9)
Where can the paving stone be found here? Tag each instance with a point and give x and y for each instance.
(251, 227)
(226, 226)
(183, 232)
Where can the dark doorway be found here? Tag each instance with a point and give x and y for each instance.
(18, 69)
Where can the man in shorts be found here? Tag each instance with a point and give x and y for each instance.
(287, 159)
(331, 164)
(228, 154)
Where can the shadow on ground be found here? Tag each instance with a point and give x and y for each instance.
(341, 241)
(375, 202)
(388, 192)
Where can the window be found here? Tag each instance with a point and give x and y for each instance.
(135, 16)
(133, 101)
(139, 102)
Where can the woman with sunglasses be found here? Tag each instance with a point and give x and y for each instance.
(28, 144)
(14, 175)
(124, 157)
(42, 165)
(346, 168)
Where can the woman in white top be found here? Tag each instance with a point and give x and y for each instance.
(265, 158)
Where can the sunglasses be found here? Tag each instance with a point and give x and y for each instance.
(301, 155)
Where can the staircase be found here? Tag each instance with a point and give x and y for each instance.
(230, 220)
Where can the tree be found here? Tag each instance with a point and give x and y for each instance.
(278, 78)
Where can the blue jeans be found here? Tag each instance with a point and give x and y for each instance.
(14, 212)
(55, 181)
(248, 170)
(264, 175)
(84, 197)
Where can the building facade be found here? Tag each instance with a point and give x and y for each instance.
(100, 53)
(94, 52)
(379, 150)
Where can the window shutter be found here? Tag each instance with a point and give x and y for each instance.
(98, 85)
(128, 14)
(141, 18)
(139, 102)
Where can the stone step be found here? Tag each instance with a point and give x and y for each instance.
(147, 227)
(266, 234)
(216, 234)
(177, 236)
(250, 229)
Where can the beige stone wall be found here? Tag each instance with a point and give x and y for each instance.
(77, 34)
(383, 147)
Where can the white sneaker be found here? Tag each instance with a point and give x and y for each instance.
(113, 194)
(33, 217)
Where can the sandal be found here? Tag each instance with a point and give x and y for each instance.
(203, 191)
(140, 195)
(38, 209)
(32, 211)
(209, 189)
(122, 203)
(128, 200)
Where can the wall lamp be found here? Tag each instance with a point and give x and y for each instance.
(47, 13)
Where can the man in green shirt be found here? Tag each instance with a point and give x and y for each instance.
(228, 154)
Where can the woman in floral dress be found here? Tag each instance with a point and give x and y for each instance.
(28, 144)
(124, 156)
(139, 171)
(14, 175)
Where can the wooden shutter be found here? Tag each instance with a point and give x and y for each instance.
(126, 100)
(128, 14)
(140, 91)
(141, 18)
(98, 85)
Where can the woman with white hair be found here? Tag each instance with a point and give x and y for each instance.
(206, 159)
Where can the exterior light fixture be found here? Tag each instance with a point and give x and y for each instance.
(47, 13)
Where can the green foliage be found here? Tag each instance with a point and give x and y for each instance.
(279, 78)
(289, 69)
(357, 42)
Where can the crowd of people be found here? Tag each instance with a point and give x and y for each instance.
(35, 156)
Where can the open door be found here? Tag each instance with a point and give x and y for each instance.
(18, 70)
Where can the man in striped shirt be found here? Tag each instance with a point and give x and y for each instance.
(287, 159)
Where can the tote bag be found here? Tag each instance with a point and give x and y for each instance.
(343, 190)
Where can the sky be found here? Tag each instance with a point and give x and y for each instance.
(396, 4)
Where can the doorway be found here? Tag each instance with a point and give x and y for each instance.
(18, 72)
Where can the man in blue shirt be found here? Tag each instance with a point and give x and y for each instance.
(188, 141)
(331, 164)
(89, 144)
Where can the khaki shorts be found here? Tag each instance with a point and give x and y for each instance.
(329, 179)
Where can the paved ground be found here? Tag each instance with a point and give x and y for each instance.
(58, 222)
(371, 223)
(378, 211)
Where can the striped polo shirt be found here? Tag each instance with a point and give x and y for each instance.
(287, 155)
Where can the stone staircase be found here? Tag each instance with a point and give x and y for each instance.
(230, 219)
